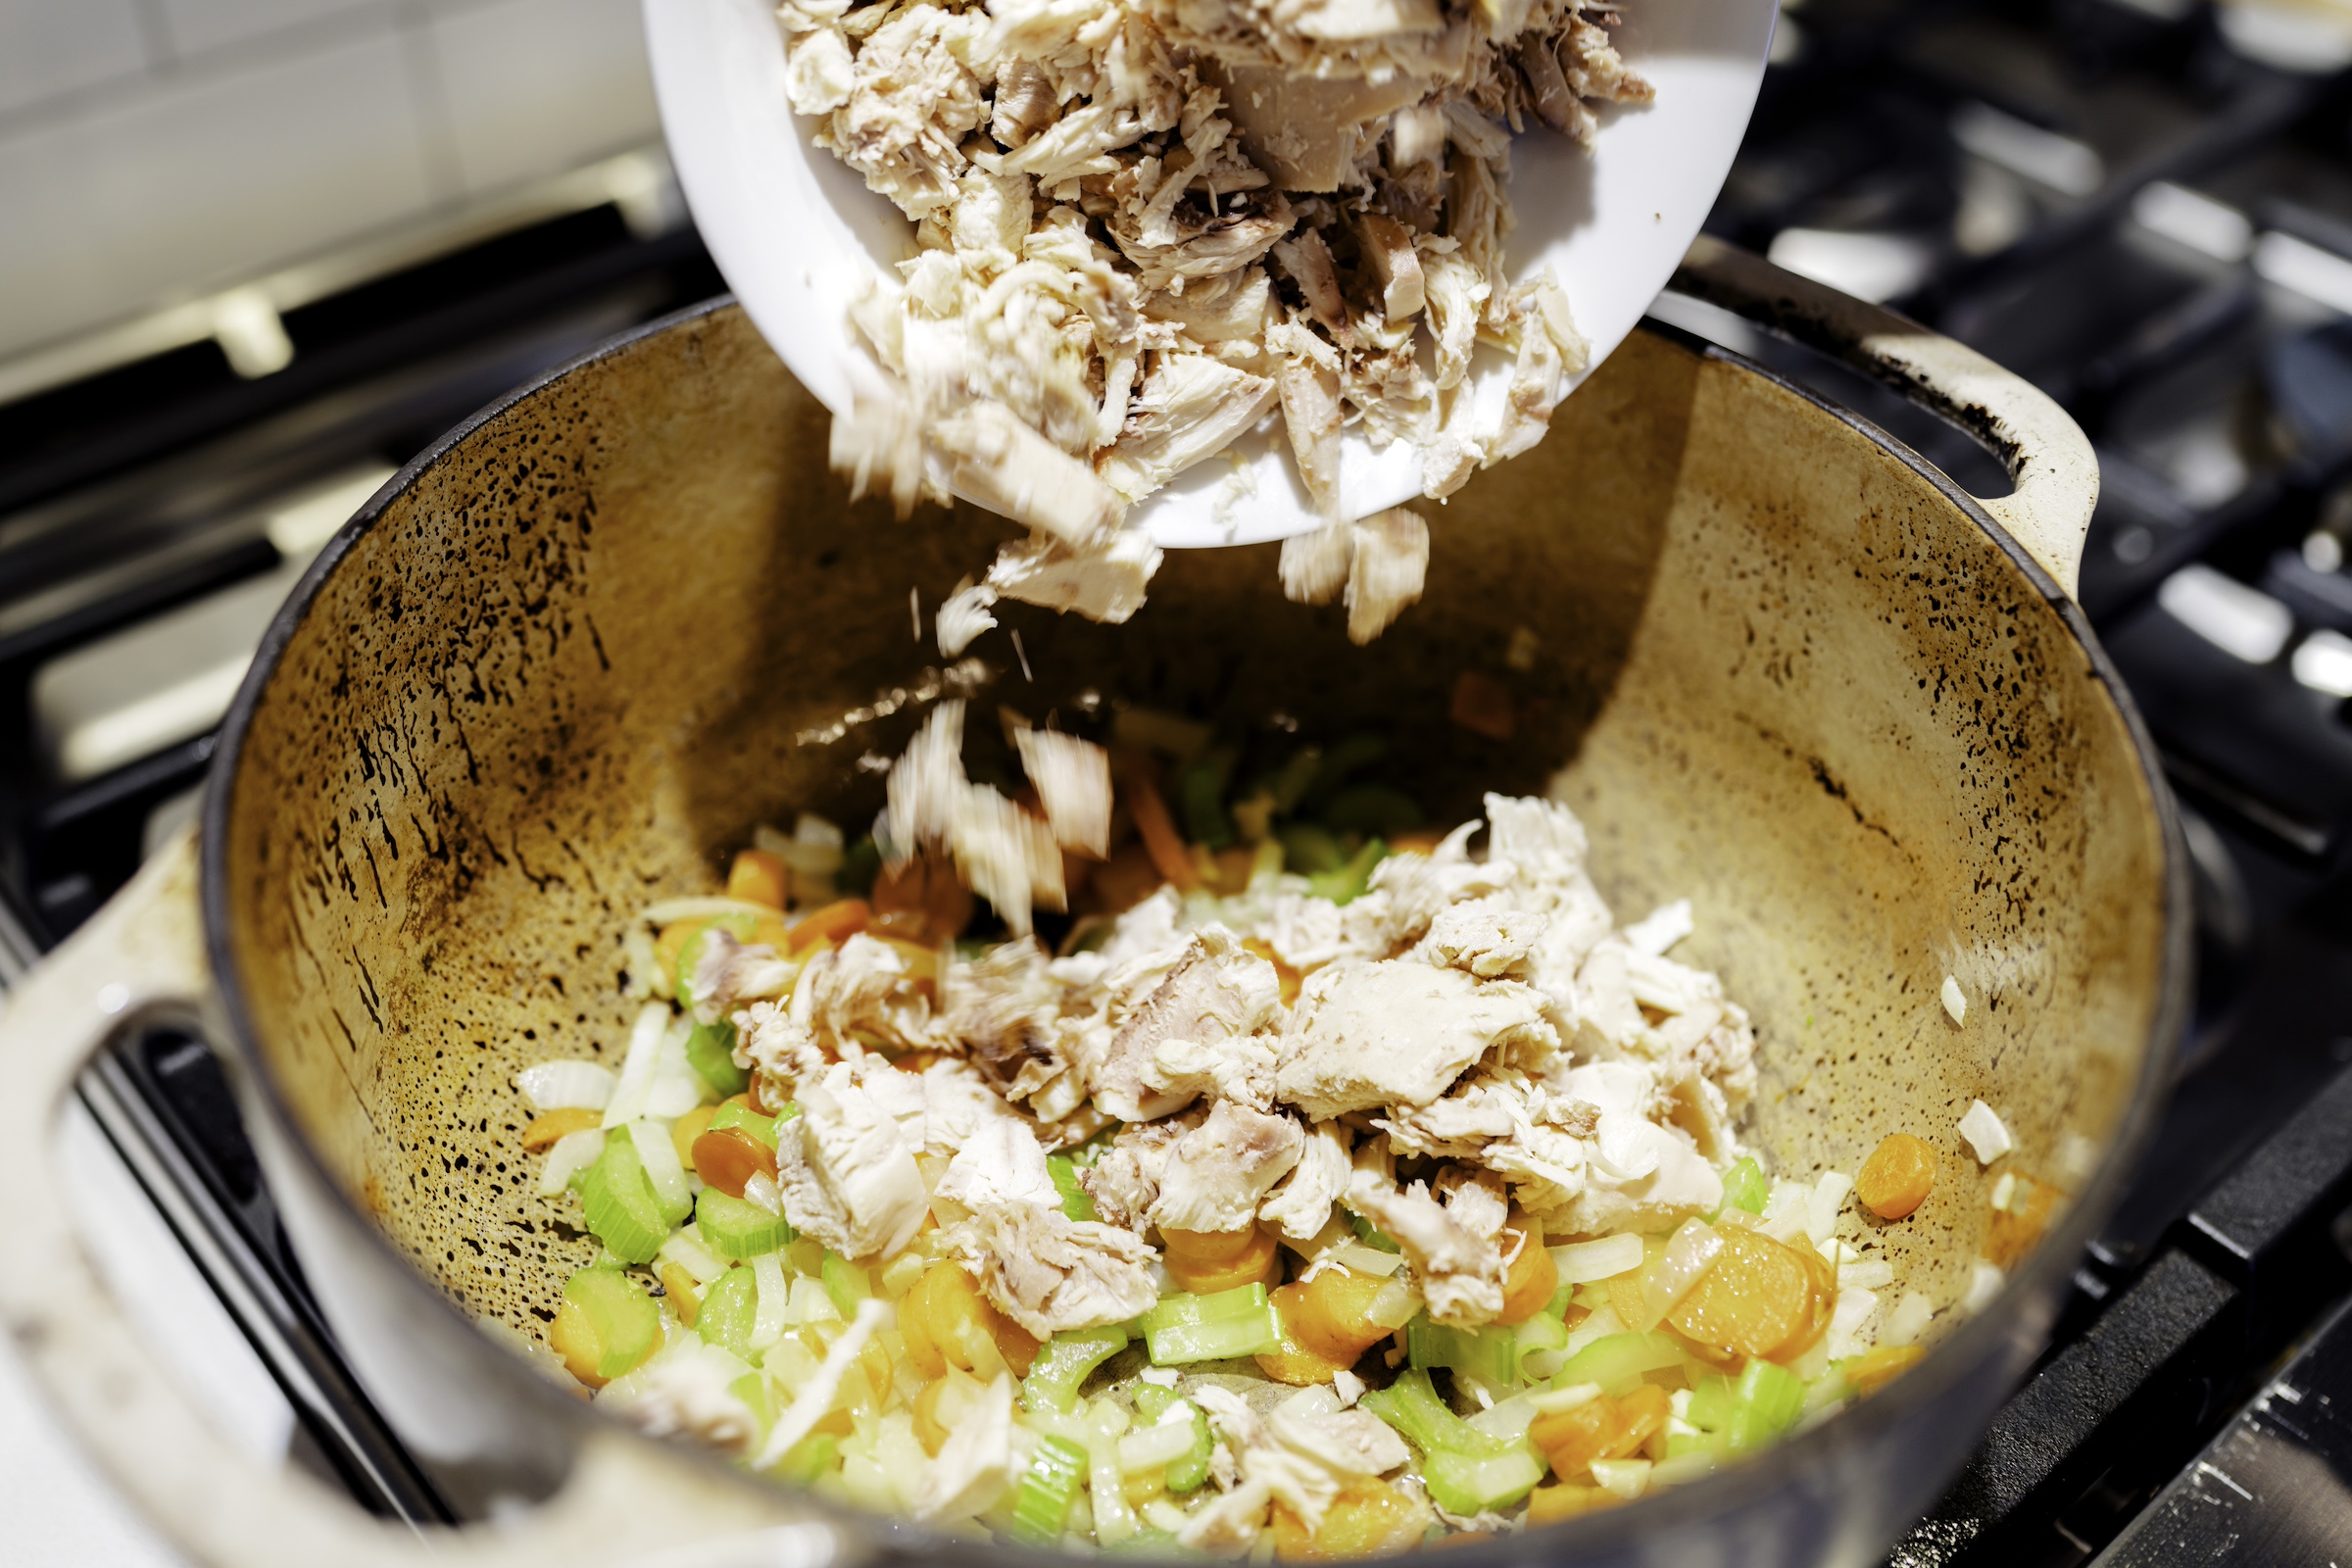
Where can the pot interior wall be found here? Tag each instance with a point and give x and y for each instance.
(578, 657)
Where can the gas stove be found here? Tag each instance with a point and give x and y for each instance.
(2143, 205)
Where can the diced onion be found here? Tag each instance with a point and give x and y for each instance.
(1625, 1478)
(1598, 1324)
(1509, 1420)
(676, 1088)
(768, 1320)
(810, 1304)
(761, 1188)
(1852, 1313)
(1156, 1445)
(1358, 1258)
(566, 1085)
(1822, 1207)
(637, 1067)
(694, 1258)
(1550, 1402)
(1690, 1253)
(1908, 1320)
(1583, 1262)
(1396, 1305)
(1984, 1283)
(675, 909)
(662, 1168)
(1986, 1134)
(571, 1154)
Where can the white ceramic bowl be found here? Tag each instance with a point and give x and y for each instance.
(795, 231)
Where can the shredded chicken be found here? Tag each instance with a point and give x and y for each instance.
(1141, 226)
(1048, 1272)
(845, 1172)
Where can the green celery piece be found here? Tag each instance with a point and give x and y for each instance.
(1181, 1310)
(1344, 759)
(860, 863)
(1371, 1235)
(626, 1320)
(710, 1052)
(1546, 1331)
(1678, 1444)
(1076, 1201)
(618, 1202)
(754, 1391)
(1413, 1406)
(846, 1283)
(1745, 1186)
(1226, 1339)
(1376, 809)
(1491, 1354)
(1288, 783)
(690, 951)
(808, 1460)
(1200, 796)
(1712, 1402)
(730, 1306)
(750, 1121)
(1065, 1361)
(737, 1227)
(1308, 850)
(1350, 881)
(1465, 1485)
(1617, 1361)
(1561, 1300)
(1152, 1402)
(1767, 1400)
(1048, 1488)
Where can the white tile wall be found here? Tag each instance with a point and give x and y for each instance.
(53, 48)
(532, 84)
(154, 150)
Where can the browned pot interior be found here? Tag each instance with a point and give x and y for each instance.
(631, 614)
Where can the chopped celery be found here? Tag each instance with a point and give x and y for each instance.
(808, 1460)
(1492, 1353)
(1225, 1341)
(1617, 1361)
(1350, 882)
(757, 1395)
(622, 1317)
(1544, 1333)
(1463, 1485)
(860, 863)
(1371, 1235)
(737, 1227)
(846, 1283)
(1048, 1488)
(618, 1202)
(730, 1305)
(1413, 1406)
(1076, 1203)
(1745, 1186)
(1178, 1310)
(1767, 1400)
(1342, 762)
(1211, 1328)
(710, 1052)
(1184, 1475)
(1064, 1362)
(730, 1118)
(1309, 849)
(690, 952)
(1750, 1410)
(1374, 809)
(1200, 798)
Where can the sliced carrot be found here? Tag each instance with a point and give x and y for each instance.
(1161, 840)
(757, 876)
(542, 1131)
(837, 921)
(1897, 1176)
(1533, 1278)
(1205, 1262)
(729, 1157)
(1758, 1297)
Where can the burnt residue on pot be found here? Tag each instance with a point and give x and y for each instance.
(1774, 667)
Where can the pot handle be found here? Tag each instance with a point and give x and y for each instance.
(140, 960)
(2046, 453)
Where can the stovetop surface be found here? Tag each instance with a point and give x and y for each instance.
(2117, 198)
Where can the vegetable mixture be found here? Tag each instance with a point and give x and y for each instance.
(1331, 1187)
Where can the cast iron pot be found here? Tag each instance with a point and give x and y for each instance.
(565, 662)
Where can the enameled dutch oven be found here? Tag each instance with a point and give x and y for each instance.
(567, 659)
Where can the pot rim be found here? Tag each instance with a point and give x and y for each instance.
(1723, 1491)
